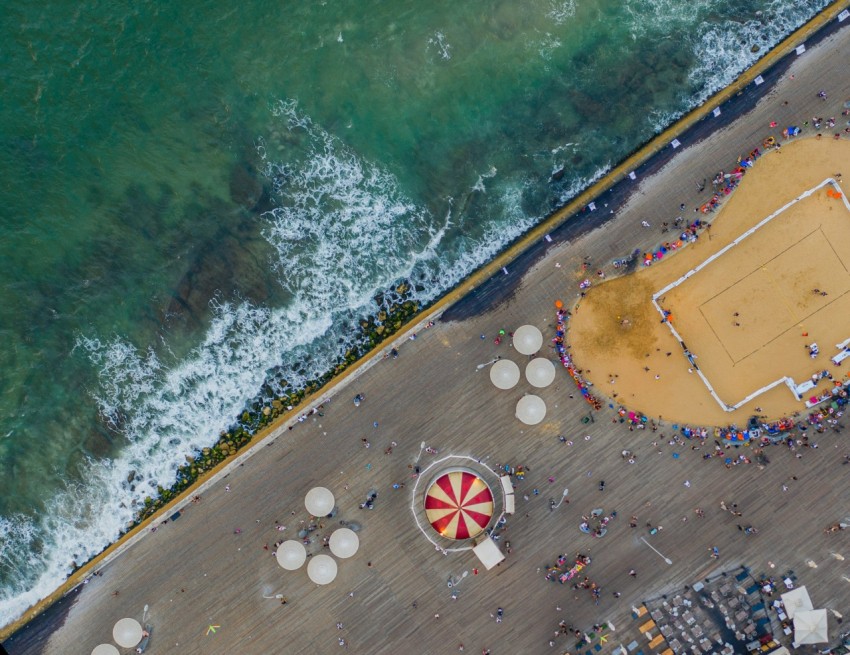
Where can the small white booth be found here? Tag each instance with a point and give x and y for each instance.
(488, 553)
(508, 489)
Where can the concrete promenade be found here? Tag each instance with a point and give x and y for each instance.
(197, 571)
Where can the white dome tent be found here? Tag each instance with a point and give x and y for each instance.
(105, 649)
(527, 340)
(540, 372)
(319, 501)
(504, 374)
(531, 409)
(291, 555)
(322, 569)
(344, 543)
(127, 633)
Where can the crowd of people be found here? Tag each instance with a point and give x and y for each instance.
(559, 572)
(583, 386)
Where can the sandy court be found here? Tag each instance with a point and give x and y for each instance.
(747, 315)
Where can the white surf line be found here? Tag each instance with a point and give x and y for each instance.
(788, 381)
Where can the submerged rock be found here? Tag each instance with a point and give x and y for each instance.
(245, 187)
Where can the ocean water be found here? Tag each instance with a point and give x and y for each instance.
(195, 196)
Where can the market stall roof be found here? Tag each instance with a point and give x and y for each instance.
(796, 600)
(319, 501)
(810, 627)
(459, 504)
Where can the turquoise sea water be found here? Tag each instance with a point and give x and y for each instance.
(193, 195)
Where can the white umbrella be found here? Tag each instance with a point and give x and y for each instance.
(105, 649)
(810, 627)
(531, 409)
(344, 543)
(319, 501)
(504, 374)
(796, 600)
(127, 633)
(540, 372)
(291, 555)
(527, 340)
(322, 569)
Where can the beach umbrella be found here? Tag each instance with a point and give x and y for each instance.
(319, 501)
(105, 649)
(291, 555)
(504, 374)
(540, 372)
(796, 600)
(322, 569)
(127, 633)
(531, 409)
(527, 340)
(344, 543)
(810, 627)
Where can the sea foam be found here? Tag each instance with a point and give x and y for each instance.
(342, 232)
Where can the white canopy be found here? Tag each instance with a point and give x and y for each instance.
(291, 555)
(531, 409)
(127, 633)
(319, 501)
(105, 649)
(796, 600)
(504, 374)
(810, 627)
(540, 372)
(488, 553)
(527, 340)
(344, 543)
(322, 569)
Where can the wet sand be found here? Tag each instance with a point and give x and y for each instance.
(198, 571)
(747, 316)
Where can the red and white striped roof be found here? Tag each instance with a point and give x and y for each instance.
(459, 504)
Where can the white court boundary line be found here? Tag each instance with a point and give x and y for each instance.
(788, 381)
(413, 503)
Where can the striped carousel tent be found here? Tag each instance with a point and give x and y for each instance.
(459, 504)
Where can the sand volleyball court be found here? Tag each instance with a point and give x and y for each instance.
(747, 300)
